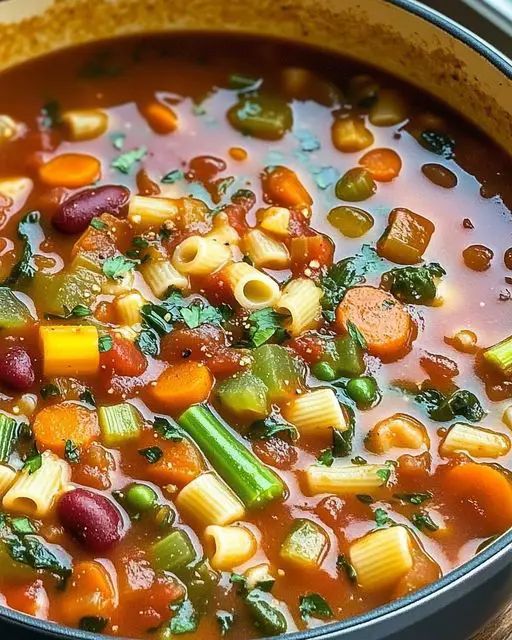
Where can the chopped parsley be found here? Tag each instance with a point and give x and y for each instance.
(342, 564)
(98, 224)
(265, 324)
(185, 619)
(382, 518)
(117, 267)
(105, 343)
(152, 454)
(33, 463)
(126, 161)
(49, 391)
(271, 426)
(117, 140)
(413, 498)
(71, 452)
(22, 526)
(173, 176)
(423, 521)
(314, 605)
(167, 429)
(356, 335)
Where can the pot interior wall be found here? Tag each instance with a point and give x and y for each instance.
(373, 31)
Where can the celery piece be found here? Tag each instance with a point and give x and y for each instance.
(244, 395)
(119, 423)
(8, 436)
(58, 294)
(13, 313)
(173, 553)
(500, 355)
(280, 371)
(305, 545)
(250, 479)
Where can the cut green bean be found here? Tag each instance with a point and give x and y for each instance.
(8, 436)
(265, 615)
(305, 545)
(250, 479)
(173, 553)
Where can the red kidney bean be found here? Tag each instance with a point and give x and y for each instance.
(16, 368)
(91, 519)
(75, 213)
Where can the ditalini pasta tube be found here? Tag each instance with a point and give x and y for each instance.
(160, 275)
(144, 211)
(209, 501)
(231, 546)
(341, 478)
(34, 493)
(84, 124)
(128, 308)
(252, 289)
(316, 411)
(198, 256)
(264, 251)
(382, 558)
(478, 442)
(300, 301)
(7, 476)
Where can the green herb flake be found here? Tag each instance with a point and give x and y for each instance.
(22, 526)
(225, 621)
(71, 452)
(365, 498)
(359, 461)
(117, 267)
(384, 474)
(356, 335)
(49, 391)
(270, 427)
(382, 518)
(148, 342)
(167, 429)
(117, 140)
(313, 605)
(424, 522)
(98, 224)
(342, 564)
(265, 324)
(185, 619)
(325, 458)
(126, 161)
(152, 454)
(414, 498)
(33, 463)
(173, 176)
(105, 343)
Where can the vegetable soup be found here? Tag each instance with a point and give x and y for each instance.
(255, 338)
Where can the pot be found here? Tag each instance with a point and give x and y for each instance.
(405, 39)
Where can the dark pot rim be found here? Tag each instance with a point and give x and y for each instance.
(491, 555)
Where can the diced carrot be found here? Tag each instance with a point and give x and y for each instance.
(182, 385)
(385, 324)
(124, 359)
(56, 424)
(406, 237)
(180, 462)
(95, 467)
(310, 252)
(31, 599)
(487, 491)
(238, 153)
(160, 117)
(383, 164)
(72, 170)
(89, 592)
(282, 186)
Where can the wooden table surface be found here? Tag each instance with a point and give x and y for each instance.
(501, 629)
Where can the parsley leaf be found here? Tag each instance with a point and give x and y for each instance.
(105, 343)
(126, 161)
(71, 452)
(314, 605)
(414, 498)
(423, 521)
(265, 324)
(49, 391)
(152, 454)
(117, 140)
(98, 224)
(342, 564)
(30, 232)
(172, 176)
(167, 429)
(384, 474)
(117, 267)
(365, 498)
(185, 618)
(33, 463)
(325, 458)
(148, 343)
(414, 285)
(22, 525)
(442, 407)
(382, 518)
(271, 426)
(356, 335)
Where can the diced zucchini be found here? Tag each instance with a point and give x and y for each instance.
(244, 395)
(13, 313)
(119, 423)
(305, 545)
(8, 435)
(64, 291)
(278, 370)
(173, 553)
(265, 614)
(345, 357)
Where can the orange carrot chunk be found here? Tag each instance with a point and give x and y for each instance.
(89, 592)
(160, 117)
(383, 164)
(385, 324)
(281, 186)
(72, 170)
(182, 385)
(56, 424)
(488, 491)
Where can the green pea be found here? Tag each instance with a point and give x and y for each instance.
(323, 371)
(364, 391)
(266, 117)
(140, 497)
(355, 185)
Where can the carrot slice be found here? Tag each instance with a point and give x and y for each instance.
(58, 423)
(89, 592)
(182, 385)
(383, 321)
(72, 170)
(160, 117)
(180, 462)
(383, 164)
(488, 491)
(282, 186)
